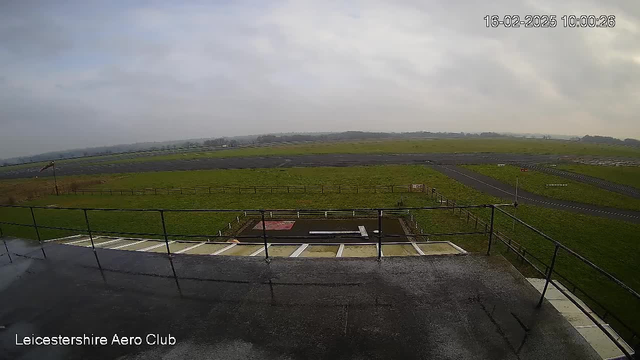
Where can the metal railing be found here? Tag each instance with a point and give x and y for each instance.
(486, 228)
(527, 256)
(255, 189)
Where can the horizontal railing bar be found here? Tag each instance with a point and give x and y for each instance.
(582, 258)
(261, 210)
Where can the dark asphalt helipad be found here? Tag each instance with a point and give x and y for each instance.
(440, 307)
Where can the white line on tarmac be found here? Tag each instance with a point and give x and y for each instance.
(224, 249)
(190, 248)
(155, 246)
(340, 250)
(125, 245)
(299, 250)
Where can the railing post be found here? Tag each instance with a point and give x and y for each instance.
(549, 273)
(93, 246)
(164, 231)
(493, 210)
(264, 237)
(379, 235)
(35, 225)
(5, 245)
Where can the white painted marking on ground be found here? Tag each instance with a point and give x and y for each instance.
(224, 249)
(190, 248)
(77, 241)
(155, 246)
(257, 252)
(108, 242)
(462, 251)
(333, 232)
(299, 250)
(415, 246)
(340, 250)
(126, 245)
(363, 232)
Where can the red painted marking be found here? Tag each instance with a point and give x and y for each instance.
(275, 225)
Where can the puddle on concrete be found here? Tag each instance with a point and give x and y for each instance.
(320, 251)
(360, 251)
(399, 250)
(437, 249)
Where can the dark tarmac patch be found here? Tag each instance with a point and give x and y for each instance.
(446, 307)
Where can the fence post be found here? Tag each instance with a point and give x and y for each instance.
(35, 225)
(549, 273)
(264, 237)
(164, 231)
(493, 209)
(5, 245)
(93, 246)
(379, 235)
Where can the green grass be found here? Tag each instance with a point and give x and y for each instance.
(521, 146)
(609, 243)
(535, 182)
(626, 175)
(357, 175)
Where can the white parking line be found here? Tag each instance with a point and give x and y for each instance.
(340, 250)
(224, 249)
(299, 250)
(125, 245)
(415, 246)
(190, 248)
(257, 252)
(363, 232)
(155, 246)
(108, 242)
(77, 241)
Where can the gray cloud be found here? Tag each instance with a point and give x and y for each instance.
(77, 74)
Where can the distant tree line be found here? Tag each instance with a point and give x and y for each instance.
(363, 135)
(610, 140)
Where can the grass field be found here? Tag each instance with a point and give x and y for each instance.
(520, 146)
(626, 175)
(535, 182)
(498, 145)
(611, 244)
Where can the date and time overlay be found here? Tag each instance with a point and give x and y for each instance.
(550, 21)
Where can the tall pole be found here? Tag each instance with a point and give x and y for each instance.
(55, 180)
(493, 209)
(379, 235)
(264, 237)
(515, 209)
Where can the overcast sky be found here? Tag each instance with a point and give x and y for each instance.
(90, 73)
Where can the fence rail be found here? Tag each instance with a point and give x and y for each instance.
(256, 189)
(463, 211)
